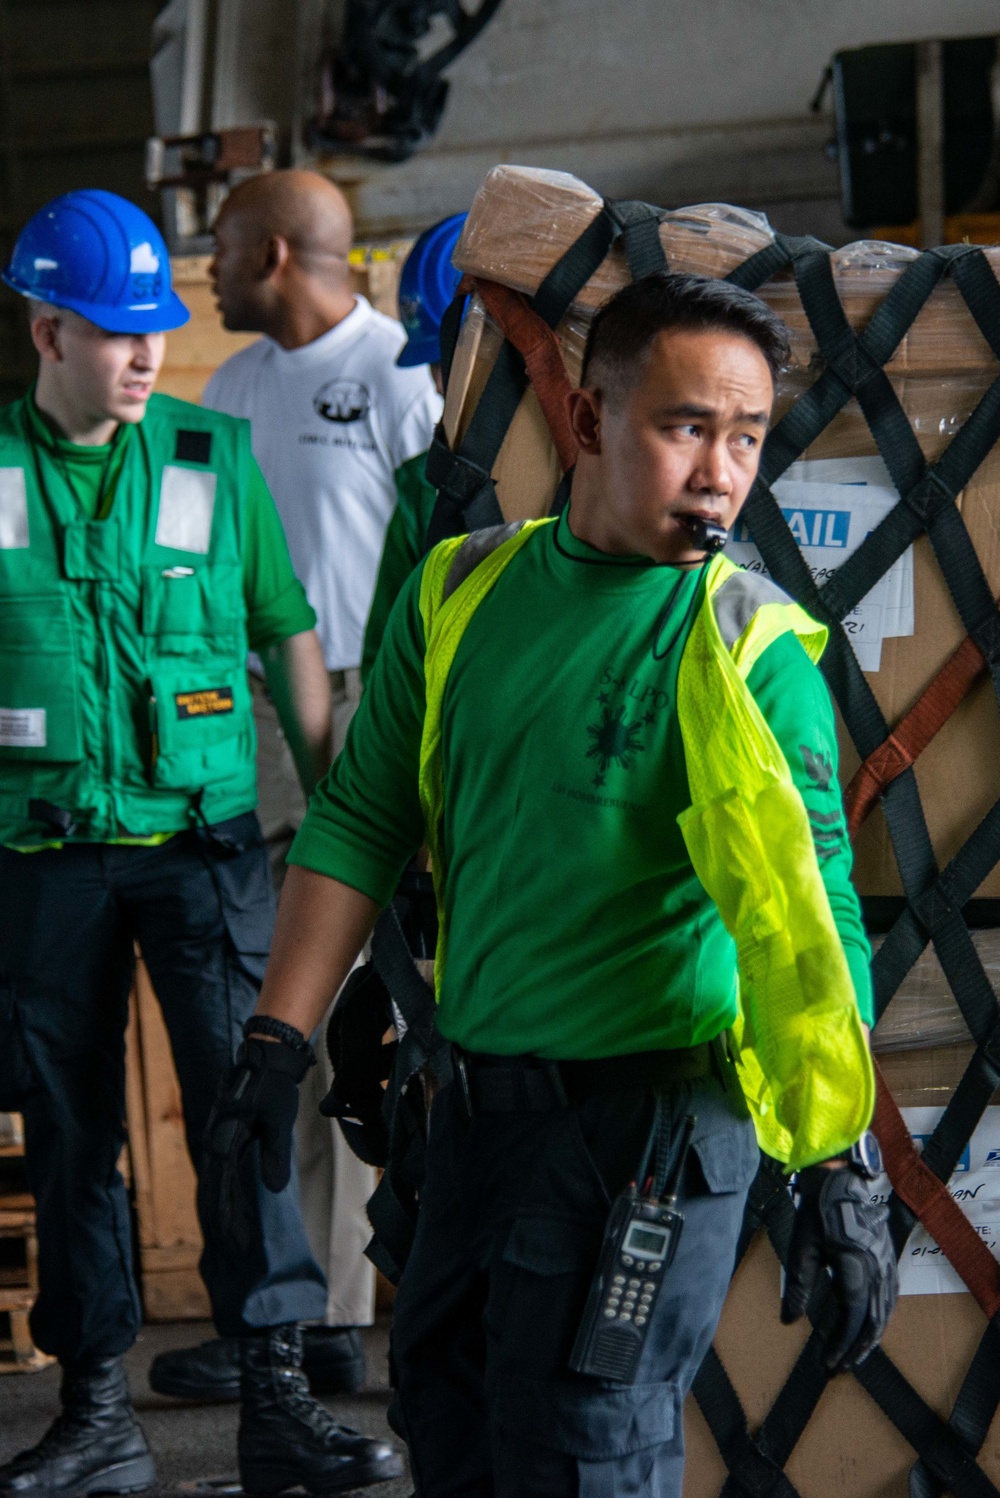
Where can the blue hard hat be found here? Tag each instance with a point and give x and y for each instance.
(99, 255)
(426, 286)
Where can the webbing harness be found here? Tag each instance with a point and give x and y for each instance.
(934, 899)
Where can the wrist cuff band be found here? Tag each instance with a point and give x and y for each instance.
(266, 1024)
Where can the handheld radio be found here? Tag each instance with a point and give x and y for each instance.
(639, 1244)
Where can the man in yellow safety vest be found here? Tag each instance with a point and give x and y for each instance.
(650, 956)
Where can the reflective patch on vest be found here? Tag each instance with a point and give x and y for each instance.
(207, 703)
(739, 598)
(13, 509)
(187, 501)
(22, 728)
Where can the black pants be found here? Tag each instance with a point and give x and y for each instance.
(202, 910)
(507, 1241)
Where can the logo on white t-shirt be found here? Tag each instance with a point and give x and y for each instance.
(342, 401)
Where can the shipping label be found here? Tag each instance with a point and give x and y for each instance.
(831, 505)
(974, 1185)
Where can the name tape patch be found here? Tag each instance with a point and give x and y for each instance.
(210, 702)
(22, 727)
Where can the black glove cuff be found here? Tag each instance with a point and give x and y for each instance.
(266, 1024)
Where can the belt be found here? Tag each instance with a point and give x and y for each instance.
(529, 1084)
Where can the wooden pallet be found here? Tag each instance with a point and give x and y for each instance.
(19, 1283)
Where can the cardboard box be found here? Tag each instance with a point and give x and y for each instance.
(850, 1449)
(523, 220)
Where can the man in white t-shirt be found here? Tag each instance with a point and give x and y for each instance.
(332, 417)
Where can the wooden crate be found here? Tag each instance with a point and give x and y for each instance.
(18, 1283)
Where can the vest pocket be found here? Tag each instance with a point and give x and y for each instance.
(199, 712)
(184, 606)
(39, 697)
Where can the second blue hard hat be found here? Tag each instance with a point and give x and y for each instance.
(426, 287)
(101, 256)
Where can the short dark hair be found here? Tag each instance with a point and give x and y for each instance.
(624, 328)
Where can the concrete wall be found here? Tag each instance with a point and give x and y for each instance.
(676, 102)
(664, 99)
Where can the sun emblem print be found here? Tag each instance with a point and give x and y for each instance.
(614, 741)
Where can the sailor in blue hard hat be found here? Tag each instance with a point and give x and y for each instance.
(141, 555)
(427, 286)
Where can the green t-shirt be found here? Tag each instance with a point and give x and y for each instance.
(416, 497)
(576, 924)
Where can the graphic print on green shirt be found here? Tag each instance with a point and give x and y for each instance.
(576, 924)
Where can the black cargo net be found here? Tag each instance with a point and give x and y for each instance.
(935, 899)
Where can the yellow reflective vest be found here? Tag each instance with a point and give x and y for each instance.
(799, 1043)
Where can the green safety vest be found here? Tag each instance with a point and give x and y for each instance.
(800, 1046)
(124, 699)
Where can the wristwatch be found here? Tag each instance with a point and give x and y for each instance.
(864, 1157)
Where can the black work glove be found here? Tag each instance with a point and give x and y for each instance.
(257, 1100)
(839, 1227)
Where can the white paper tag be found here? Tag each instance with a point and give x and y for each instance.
(187, 500)
(831, 505)
(13, 509)
(22, 727)
(975, 1186)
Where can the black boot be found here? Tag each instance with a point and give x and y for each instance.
(286, 1439)
(95, 1446)
(333, 1361)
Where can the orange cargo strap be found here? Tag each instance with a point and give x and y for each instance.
(913, 732)
(929, 1198)
(538, 346)
(914, 1183)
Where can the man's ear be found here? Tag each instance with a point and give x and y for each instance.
(277, 255)
(583, 407)
(45, 337)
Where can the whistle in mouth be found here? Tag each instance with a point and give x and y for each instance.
(705, 535)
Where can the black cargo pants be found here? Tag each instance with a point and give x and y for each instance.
(509, 1229)
(202, 909)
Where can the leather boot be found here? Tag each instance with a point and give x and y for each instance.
(333, 1361)
(96, 1445)
(286, 1438)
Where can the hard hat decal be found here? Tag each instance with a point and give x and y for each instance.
(144, 258)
